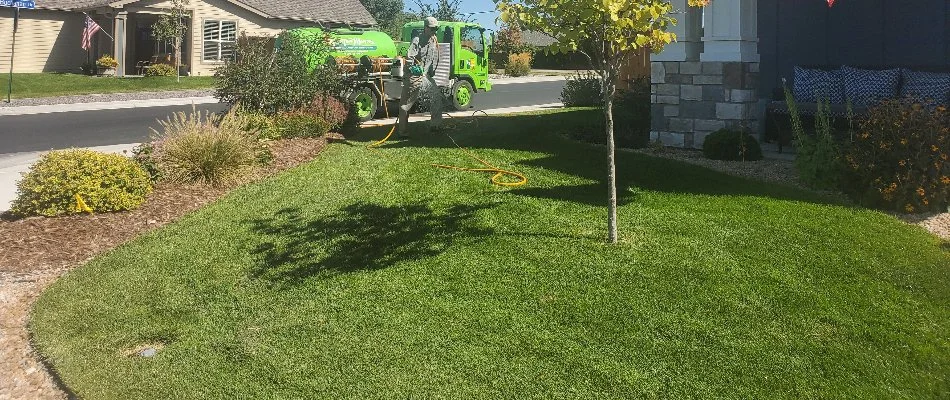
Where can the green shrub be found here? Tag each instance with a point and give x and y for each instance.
(583, 90)
(261, 79)
(160, 70)
(145, 156)
(731, 145)
(492, 67)
(104, 182)
(203, 148)
(899, 158)
(519, 64)
(817, 157)
(265, 126)
(301, 124)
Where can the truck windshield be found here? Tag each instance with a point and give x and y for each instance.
(472, 39)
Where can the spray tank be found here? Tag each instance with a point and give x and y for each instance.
(361, 51)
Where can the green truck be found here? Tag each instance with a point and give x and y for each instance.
(374, 61)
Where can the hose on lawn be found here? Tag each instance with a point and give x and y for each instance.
(499, 173)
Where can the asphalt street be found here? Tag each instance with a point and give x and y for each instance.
(41, 132)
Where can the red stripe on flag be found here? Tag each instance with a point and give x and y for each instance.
(91, 28)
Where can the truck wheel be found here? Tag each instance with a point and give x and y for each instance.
(462, 94)
(365, 103)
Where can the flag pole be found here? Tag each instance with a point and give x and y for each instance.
(16, 21)
(101, 30)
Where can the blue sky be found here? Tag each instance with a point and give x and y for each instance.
(486, 20)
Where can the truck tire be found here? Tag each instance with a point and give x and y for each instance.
(461, 95)
(365, 103)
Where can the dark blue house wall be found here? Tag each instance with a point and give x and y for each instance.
(869, 33)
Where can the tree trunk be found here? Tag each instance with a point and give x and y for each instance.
(178, 60)
(609, 89)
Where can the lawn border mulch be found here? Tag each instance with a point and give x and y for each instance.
(47, 243)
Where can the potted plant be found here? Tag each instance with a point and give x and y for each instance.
(106, 65)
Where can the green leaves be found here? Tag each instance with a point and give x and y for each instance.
(622, 25)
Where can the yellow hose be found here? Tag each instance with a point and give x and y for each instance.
(495, 179)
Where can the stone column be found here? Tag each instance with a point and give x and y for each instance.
(119, 44)
(729, 72)
(731, 31)
(670, 88)
(689, 33)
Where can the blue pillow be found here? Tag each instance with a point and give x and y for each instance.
(927, 87)
(868, 87)
(813, 84)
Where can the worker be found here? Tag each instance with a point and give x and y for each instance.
(419, 74)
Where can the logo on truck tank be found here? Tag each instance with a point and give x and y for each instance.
(355, 44)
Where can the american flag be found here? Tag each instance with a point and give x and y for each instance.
(91, 28)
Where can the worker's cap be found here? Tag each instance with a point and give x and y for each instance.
(431, 22)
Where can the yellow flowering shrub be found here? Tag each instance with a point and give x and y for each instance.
(519, 64)
(76, 181)
(898, 159)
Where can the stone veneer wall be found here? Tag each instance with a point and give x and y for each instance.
(691, 99)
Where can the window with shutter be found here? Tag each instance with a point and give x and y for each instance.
(218, 41)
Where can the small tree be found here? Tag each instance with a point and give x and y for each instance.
(171, 27)
(605, 31)
(511, 40)
(388, 14)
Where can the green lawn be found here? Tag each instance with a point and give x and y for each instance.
(50, 84)
(370, 274)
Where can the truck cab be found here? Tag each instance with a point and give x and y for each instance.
(469, 46)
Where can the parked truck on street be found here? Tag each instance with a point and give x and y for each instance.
(374, 62)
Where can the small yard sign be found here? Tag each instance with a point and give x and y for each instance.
(16, 5)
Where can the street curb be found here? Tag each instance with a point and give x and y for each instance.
(528, 79)
(106, 105)
(466, 113)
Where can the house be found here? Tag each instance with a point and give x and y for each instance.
(49, 37)
(732, 55)
(537, 39)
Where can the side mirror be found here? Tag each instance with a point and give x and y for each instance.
(487, 39)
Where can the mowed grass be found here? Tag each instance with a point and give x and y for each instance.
(371, 274)
(56, 84)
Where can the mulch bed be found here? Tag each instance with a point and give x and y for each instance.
(33, 243)
(34, 252)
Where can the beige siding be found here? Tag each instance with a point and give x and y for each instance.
(247, 22)
(47, 41)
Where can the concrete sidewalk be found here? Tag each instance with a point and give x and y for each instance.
(13, 165)
(184, 101)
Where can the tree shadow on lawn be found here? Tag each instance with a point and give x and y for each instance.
(295, 246)
(547, 133)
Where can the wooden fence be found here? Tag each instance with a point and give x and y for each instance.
(637, 66)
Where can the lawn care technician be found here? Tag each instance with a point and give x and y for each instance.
(420, 66)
